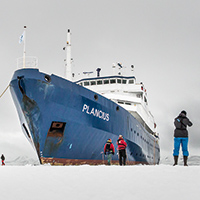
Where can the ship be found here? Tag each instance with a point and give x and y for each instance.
(69, 121)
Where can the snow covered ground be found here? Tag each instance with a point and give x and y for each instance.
(163, 182)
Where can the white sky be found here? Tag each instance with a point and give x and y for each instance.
(161, 39)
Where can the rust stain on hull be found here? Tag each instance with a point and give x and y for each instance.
(62, 161)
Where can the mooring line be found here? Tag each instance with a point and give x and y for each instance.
(5, 90)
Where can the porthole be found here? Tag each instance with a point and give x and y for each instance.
(96, 97)
(47, 78)
(117, 108)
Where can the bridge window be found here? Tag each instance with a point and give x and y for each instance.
(93, 82)
(99, 82)
(131, 81)
(112, 81)
(86, 83)
(123, 81)
(106, 81)
(119, 80)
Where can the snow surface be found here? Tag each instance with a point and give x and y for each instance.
(139, 182)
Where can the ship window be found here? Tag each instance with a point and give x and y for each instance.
(124, 81)
(106, 81)
(99, 82)
(120, 102)
(93, 82)
(81, 84)
(112, 81)
(131, 81)
(117, 108)
(96, 97)
(127, 103)
(119, 80)
(86, 83)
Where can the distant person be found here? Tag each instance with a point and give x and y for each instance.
(121, 150)
(181, 137)
(109, 150)
(2, 159)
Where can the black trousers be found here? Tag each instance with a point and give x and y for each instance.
(122, 157)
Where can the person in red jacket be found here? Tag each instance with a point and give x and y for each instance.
(122, 150)
(109, 150)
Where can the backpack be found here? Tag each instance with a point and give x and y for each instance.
(179, 123)
(107, 147)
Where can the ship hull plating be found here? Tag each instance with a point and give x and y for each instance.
(69, 124)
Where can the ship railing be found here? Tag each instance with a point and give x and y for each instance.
(27, 62)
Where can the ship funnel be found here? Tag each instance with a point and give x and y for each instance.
(98, 71)
(68, 60)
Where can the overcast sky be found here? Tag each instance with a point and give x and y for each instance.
(160, 38)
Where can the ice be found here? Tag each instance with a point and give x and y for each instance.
(163, 182)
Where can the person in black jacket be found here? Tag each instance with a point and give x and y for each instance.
(181, 137)
(2, 159)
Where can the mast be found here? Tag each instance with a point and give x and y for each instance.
(68, 61)
(24, 53)
(22, 39)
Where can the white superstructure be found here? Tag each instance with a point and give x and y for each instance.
(124, 91)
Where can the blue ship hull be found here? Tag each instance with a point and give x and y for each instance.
(69, 124)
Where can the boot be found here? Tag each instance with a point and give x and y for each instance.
(175, 160)
(185, 160)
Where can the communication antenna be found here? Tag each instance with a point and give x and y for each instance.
(87, 73)
(132, 68)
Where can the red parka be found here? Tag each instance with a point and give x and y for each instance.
(121, 144)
